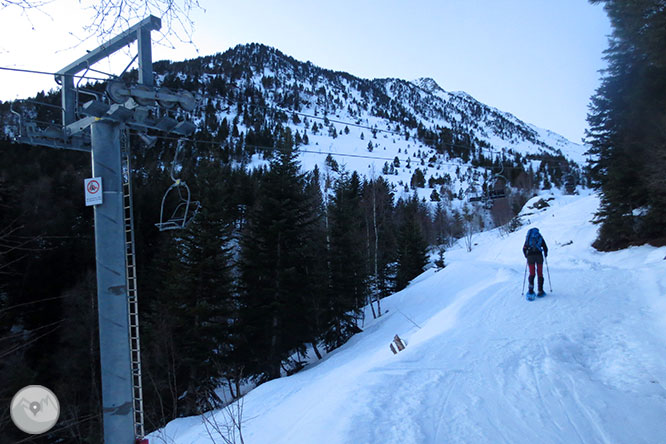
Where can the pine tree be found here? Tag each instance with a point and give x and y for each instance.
(626, 121)
(418, 179)
(196, 310)
(274, 267)
(206, 270)
(160, 317)
(347, 262)
(411, 253)
(316, 270)
(188, 299)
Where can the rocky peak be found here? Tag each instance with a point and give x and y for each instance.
(427, 84)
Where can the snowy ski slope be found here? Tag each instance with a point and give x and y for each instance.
(586, 364)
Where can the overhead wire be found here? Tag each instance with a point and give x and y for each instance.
(373, 129)
(75, 422)
(332, 153)
(275, 108)
(324, 118)
(469, 147)
(38, 301)
(15, 335)
(32, 71)
(26, 344)
(299, 150)
(311, 116)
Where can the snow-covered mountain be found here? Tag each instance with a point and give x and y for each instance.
(389, 127)
(368, 125)
(585, 364)
(501, 129)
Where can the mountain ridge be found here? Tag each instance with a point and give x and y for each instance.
(450, 137)
(265, 60)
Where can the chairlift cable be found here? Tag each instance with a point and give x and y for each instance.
(360, 156)
(341, 122)
(32, 71)
(38, 301)
(470, 147)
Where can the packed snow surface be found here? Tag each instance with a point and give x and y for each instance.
(585, 364)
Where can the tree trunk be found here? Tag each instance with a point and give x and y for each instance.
(374, 224)
(316, 350)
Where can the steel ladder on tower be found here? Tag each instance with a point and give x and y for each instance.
(132, 290)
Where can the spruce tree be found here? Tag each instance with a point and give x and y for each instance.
(348, 284)
(315, 259)
(210, 305)
(627, 140)
(411, 253)
(188, 299)
(196, 312)
(274, 267)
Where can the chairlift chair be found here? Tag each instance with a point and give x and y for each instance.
(493, 191)
(497, 193)
(472, 192)
(184, 210)
(497, 189)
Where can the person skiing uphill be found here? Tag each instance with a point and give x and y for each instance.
(532, 250)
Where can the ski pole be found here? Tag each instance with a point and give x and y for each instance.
(548, 271)
(524, 276)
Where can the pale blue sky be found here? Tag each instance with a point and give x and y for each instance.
(537, 59)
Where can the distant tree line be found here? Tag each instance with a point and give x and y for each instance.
(627, 127)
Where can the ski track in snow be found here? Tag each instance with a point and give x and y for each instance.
(585, 364)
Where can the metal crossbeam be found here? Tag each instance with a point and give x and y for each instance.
(151, 23)
(140, 32)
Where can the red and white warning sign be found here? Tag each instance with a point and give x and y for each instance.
(93, 187)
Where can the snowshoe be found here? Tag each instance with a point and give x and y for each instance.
(530, 295)
(541, 294)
